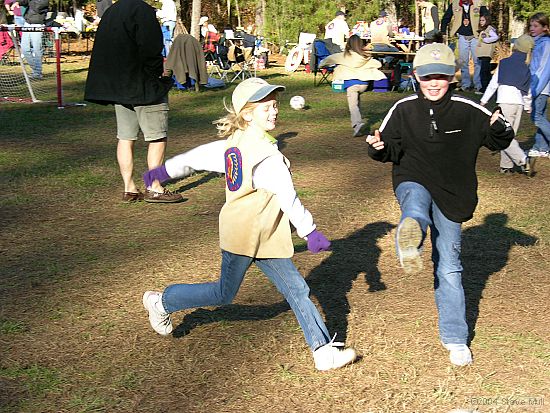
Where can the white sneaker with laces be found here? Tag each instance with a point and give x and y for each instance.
(535, 153)
(459, 354)
(330, 356)
(158, 317)
(409, 238)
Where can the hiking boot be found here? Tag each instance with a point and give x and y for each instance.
(330, 356)
(158, 317)
(162, 197)
(459, 354)
(409, 237)
(357, 130)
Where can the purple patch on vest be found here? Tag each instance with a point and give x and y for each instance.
(233, 169)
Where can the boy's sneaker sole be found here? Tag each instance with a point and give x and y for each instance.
(409, 237)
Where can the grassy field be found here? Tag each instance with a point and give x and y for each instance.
(74, 336)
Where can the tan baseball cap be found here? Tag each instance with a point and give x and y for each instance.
(434, 59)
(253, 89)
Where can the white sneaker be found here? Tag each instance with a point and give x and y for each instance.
(330, 357)
(158, 317)
(535, 153)
(409, 237)
(459, 354)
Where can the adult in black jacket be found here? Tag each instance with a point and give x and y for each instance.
(126, 70)
(31, 42)
(433, 139)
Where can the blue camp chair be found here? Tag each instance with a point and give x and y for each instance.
(320, 51)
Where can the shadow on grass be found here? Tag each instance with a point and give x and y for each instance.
(281, 138)
(485, 251)
(206, 178)
(329, 282)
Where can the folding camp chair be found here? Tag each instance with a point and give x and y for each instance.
(241, 55)
(320, 51)
(402, 77)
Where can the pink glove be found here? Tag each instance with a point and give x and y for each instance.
(317, 242)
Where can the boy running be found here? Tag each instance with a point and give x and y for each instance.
(433, 139)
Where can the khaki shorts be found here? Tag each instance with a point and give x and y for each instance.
(151, 119)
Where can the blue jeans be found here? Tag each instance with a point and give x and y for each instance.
(169, 26)
(31, 46)
(282, 273)
(416, 202)
(467, 48)
(540, 119)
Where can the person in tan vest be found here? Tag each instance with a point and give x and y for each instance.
(380, 33)
(463, 18)
(429, 17)
(254, 223)
(488, 38)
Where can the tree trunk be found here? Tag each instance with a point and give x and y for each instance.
(260, 17)
(229, 12)
(195, 17)
(416, 19)
(238, 13)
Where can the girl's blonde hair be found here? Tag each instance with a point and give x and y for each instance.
(228, 124)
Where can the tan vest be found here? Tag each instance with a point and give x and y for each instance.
(379, 32)
(485, 49)
(474, 16)
(251, 220)
(427, 20)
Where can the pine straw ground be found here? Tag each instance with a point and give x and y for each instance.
(74, 336)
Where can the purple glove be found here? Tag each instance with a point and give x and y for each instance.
(317, 242)
(156, 173)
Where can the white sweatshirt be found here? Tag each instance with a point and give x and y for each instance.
(271, 174)
(505, 93)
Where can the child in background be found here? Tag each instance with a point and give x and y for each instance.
(540, 84)
(255, 226)
(433, 139)
(484, 51)
(356, 67)
(511, 81)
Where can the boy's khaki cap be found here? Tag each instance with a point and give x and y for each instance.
(524, 43)
(434, 59)
(252, 90)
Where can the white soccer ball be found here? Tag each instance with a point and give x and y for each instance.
(297, 102)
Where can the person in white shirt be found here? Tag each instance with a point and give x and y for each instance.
(168, 17)
(206, 27)
(338, 30)
(511, 81)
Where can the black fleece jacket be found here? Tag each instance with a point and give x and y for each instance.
(36, 10)
(127, 64)
(436, 145)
